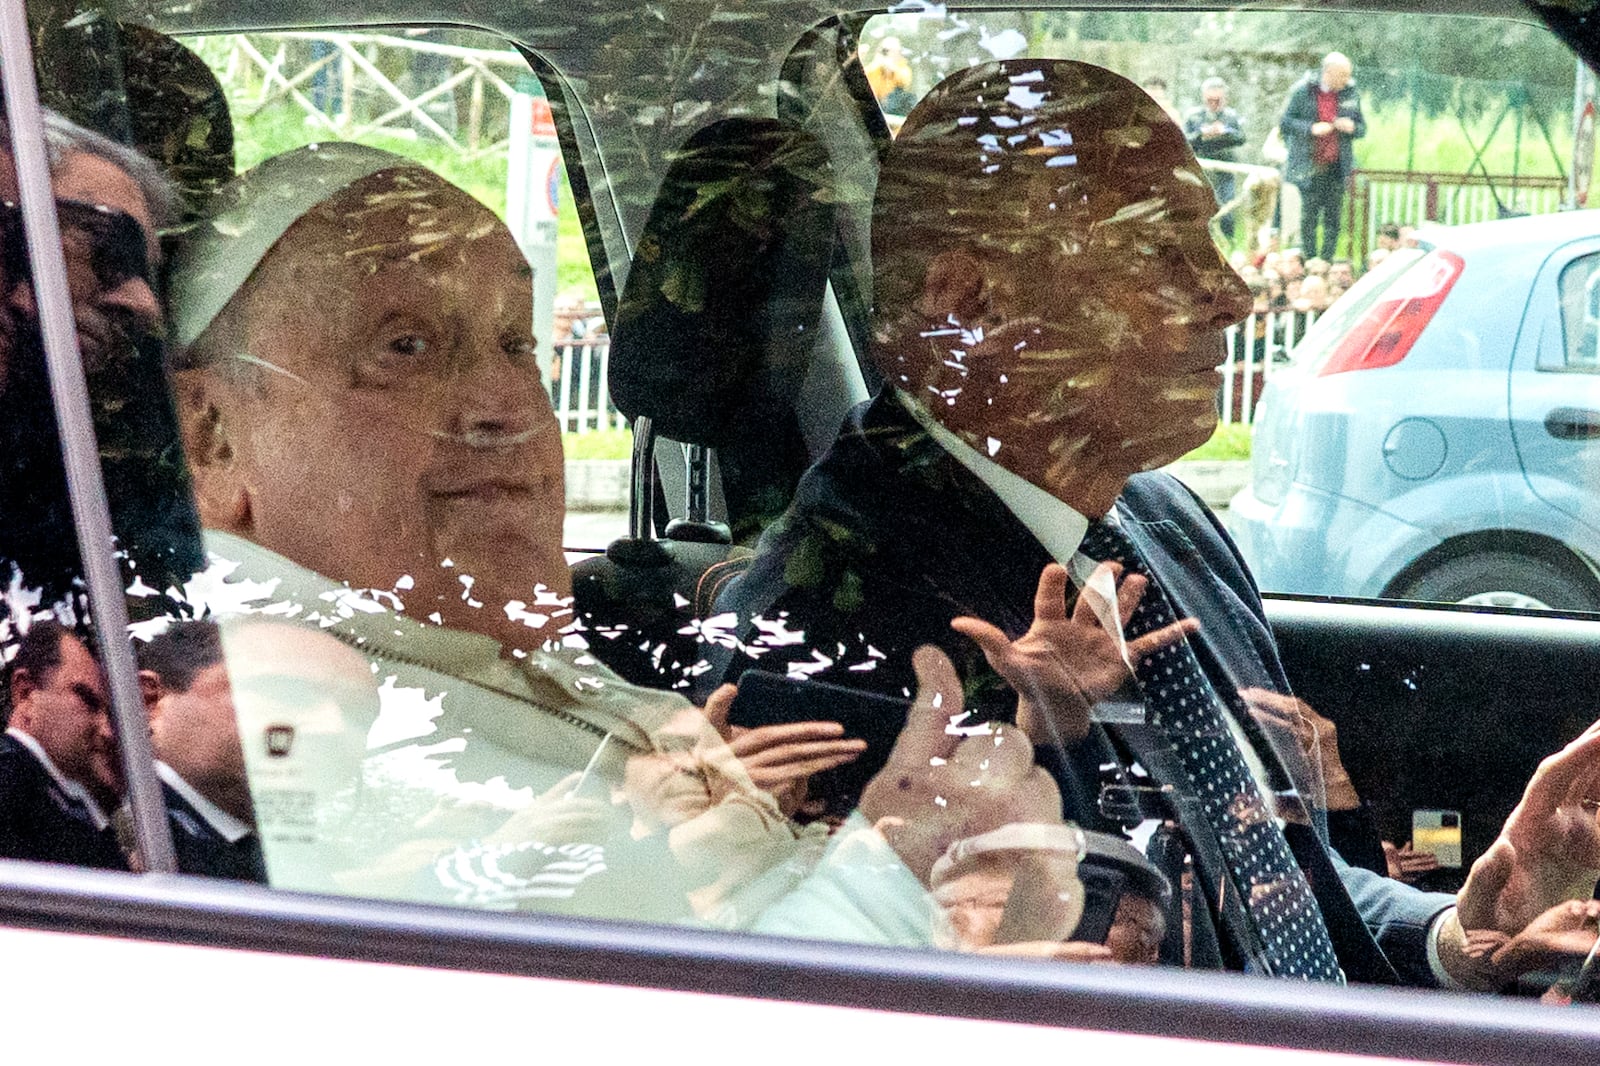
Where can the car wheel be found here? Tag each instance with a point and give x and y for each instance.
(1504, 579)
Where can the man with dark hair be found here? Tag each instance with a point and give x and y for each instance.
(58, 758)
(195, 736)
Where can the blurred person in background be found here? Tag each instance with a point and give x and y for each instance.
(59, 775)
(1321, 121)
(889, 75)
(195, 736)
(1215, 131)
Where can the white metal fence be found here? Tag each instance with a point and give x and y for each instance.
(579, 389)
(1254, 346)
(1411, 198)
(581, 394)
(338, 82)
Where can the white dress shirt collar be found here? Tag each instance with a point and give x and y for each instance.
(65, 784)
(227, 826)
(1054, 524)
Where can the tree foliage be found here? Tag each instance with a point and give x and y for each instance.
(1442, 64)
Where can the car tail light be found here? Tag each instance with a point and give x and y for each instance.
(1384, 335)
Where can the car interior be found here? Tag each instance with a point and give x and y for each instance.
(718, 165)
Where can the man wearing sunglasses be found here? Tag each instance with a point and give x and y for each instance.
(109, 203)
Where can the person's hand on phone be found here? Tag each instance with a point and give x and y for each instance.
(1344, 124)
(780, 759)
(1406, 863)
(1066, 663)
(945, 780)
(1321, 129)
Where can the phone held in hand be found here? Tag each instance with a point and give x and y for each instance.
(773, 699)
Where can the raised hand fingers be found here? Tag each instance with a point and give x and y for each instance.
(1554, 780)
(786, 754)
(771, 777)
(1050, 598)
(1417, 862)
(750, 741)
(989, 638)
(1129, 592)
(927, 734)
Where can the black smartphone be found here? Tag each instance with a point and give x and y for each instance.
(773, 699)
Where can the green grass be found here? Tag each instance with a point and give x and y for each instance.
(1442, 146)
(601, 444)
(1228, 442)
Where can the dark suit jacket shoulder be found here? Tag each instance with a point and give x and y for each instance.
(886, 541)
(203, 850)
(37, 821)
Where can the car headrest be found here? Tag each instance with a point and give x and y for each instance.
(1113, 853)
(717, 319)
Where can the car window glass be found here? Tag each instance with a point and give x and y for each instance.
(1580, 313)
(1403, 185)
(1003, 687)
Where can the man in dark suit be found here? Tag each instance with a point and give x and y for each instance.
(1321, 121)
(1047, 315)
(195, 736)
(58, 757)
(1216, 131)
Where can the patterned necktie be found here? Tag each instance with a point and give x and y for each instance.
(1185, 707)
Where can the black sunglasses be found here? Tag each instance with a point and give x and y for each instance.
(118, 251)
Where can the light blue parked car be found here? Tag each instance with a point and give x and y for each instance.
(1437, 435)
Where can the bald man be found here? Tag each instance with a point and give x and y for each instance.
(1048, 310)
(1321, 121)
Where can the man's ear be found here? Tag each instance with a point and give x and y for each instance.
(207, 414)
(954, 288)
(151, 689)
(23, 686)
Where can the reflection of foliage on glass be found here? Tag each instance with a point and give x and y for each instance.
(1430, 84)
(1394, 60)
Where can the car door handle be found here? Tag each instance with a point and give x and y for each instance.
(1573, 423)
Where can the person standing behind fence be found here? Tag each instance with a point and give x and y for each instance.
(1215, 131)
(1320, 124)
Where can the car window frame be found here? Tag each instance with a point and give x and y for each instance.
(1226, 1008)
